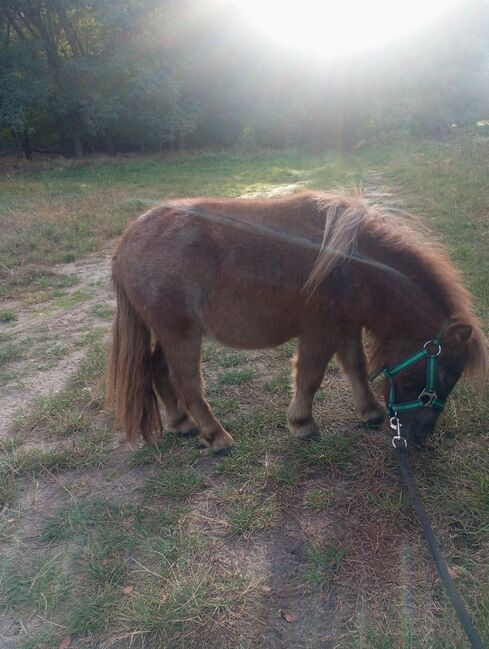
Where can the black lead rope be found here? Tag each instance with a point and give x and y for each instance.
(441, 565)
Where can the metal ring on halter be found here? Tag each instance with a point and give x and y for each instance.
(430, 342)
(431, 397)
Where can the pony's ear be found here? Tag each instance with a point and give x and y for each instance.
(457, 333)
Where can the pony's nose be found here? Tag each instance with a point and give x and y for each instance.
(418, 431)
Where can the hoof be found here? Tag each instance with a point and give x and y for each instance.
(223, 452)
(372, 424)
(192, 432)
(220, 444)
(375, 422)
(206, 451)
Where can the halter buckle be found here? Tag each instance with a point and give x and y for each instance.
(427, 397)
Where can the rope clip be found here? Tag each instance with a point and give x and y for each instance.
(398, 440)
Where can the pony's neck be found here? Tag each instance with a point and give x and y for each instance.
(406, 300)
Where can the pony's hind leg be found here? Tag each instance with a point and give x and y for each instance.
(177, 419)
(351, 355)
(309, 366)
(183, 357)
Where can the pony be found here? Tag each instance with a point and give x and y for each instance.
(320, 267)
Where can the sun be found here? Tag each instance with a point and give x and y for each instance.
(340, 27)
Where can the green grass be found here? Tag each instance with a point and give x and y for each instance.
(322, 564)
(319, 500)
(39, 584)
(137, 570)
(248, 513)
(285, 473)
(10, 352)
(104, 311)
(72, 299)
(232, 359)
(177, 484)
(235, 377)
(87, 452)
(333, 450)
(7, 315)
(70, 416)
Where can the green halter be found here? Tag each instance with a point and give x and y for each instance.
(428, 397)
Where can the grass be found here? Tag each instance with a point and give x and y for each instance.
(39, 585)
(319, 500)
(72, 299)
(86, 453)
(177, 484)
(104, 311)
(235, 377)
(137, 569)
(250, 513)
(9, 353)
(7, 315)
(68, 411)
(333, 450)
(322, 563)
(158, 546)
(67, 414)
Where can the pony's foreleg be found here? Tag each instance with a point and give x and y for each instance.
(177, 418)
(351, 355)
(309, 365)
(183, 356)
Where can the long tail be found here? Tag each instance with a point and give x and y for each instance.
(130, 389)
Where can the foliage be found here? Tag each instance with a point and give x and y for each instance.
(80, 76)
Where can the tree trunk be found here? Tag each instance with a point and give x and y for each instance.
(26, 145)
(77, 142)
(109, 145)
(64, 140)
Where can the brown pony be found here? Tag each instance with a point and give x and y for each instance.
(255, 273)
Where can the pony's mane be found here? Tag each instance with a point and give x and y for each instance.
(347, 218)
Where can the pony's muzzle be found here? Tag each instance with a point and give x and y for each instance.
(420, 427)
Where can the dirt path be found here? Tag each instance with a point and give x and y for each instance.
(48, 340)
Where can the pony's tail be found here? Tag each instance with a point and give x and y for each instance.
(130, 391)
(341, 224)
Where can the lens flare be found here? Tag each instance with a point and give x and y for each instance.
(332, 27)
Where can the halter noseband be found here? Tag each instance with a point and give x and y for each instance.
(428, 398)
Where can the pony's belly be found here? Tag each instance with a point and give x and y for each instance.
(259, 341)
(248, 326)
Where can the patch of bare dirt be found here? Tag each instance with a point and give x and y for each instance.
(51, 336)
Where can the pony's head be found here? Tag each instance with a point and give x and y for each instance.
(419, 382)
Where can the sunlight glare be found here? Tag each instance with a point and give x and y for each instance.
(334, 27)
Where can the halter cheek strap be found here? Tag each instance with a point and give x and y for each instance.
(428, 398)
